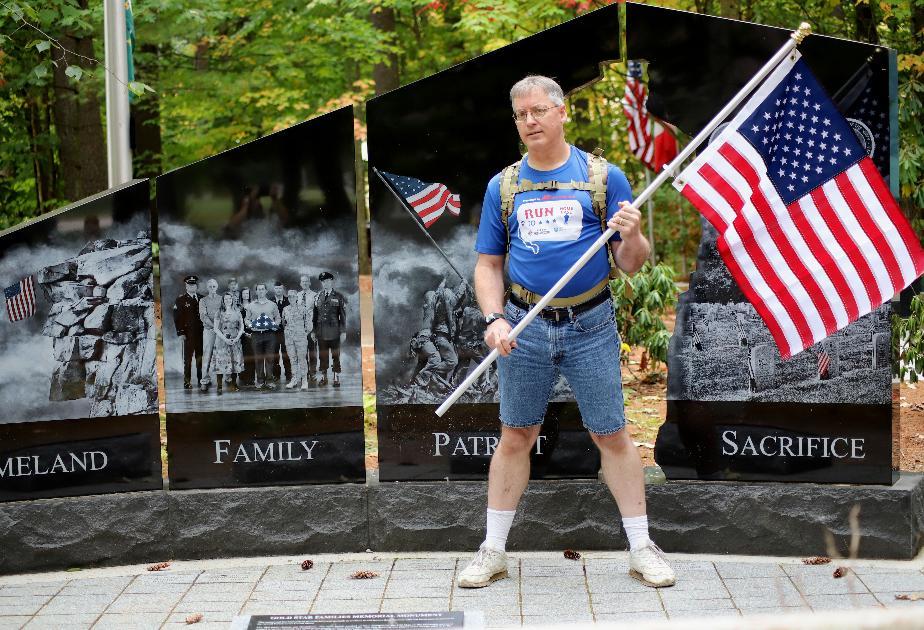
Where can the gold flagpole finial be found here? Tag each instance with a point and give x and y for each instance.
(804, 30)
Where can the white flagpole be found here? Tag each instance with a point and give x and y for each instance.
(795, 39)
(117, 116)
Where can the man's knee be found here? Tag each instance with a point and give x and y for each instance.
(517, 441)
(617, 442)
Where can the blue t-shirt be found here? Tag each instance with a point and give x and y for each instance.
(551, 229)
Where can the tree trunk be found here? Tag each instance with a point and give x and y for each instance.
(866, 23)
(41, 164)
(385, 74)
(730, 9)
(148, 149)
(78, 122)
(703, 6)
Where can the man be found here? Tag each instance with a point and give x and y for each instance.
(439, 318)
(470, 335)
(189, 329)
(264, 318)
(329, 323)
(234, 290)
(547, 231)
(208, 311)
(281, 301)
(307, 296)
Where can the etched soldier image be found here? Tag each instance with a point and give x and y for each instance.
(189, 328)
(329, 328)
(261, 223)
(77, 333)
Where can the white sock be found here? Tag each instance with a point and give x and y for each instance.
(636, 531)
(499, 522)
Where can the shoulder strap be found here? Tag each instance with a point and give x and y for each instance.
(598, 169)
(508, 190)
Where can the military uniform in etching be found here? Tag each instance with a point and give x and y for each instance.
(329, 322)
(189, 328)
(294, 318)
(439, 320)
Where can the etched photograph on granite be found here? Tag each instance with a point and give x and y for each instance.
(850, 366)
(78, 335)
(260, 275)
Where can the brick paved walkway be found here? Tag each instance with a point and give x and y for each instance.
(542, 588)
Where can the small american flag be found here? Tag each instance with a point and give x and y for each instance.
(824, 365)
(697, 342)
(807, 226)
(649, 140)
(20, 299)
(429, 201)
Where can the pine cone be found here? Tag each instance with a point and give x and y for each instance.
(840, 572)
(816, 560)
(571, 554)
(364, 575)
(307, 564)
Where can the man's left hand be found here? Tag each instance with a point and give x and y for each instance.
(342, 337)
(626, 221)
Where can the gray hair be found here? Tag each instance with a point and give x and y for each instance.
(538, 82)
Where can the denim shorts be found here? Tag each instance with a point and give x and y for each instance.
(585, 349)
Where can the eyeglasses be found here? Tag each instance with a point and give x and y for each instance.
(538, 111)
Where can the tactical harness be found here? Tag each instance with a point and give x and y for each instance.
(510, 186)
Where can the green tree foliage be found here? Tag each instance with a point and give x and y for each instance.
(44, 52)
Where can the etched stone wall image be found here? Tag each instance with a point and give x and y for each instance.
(721, 349)
(102, 326)
(83, 343)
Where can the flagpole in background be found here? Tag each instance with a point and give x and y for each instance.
(669, 171)
(417, 220)
(117, 114)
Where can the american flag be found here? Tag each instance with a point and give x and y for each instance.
(20, 299)
(806, 224)
(861, 101)
(264, 323)
(649, 140)
(429, 201)
(824, 365)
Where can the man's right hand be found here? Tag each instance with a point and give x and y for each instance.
(496, 336)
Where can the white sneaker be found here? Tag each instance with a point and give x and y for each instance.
(488, 566)
(649, 566)
(304, 386)
(292, 383)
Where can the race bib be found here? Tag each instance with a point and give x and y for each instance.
(549, 220)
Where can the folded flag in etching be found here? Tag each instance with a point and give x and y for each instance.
(429, 201)
(807, 226)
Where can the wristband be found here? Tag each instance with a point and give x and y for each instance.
(492, 317)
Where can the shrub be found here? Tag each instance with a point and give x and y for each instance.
(641, 301)
(908, 342)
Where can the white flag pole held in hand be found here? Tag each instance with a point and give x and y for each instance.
(669, 170)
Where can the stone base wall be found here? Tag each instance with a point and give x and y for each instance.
(691, 517)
